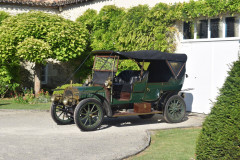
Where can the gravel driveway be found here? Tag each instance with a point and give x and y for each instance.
(33, 135)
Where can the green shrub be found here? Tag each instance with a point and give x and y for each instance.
(106, 25)
(37, 36)
(26, 96)
(9, 79)
(3, 15)
(88, 18)
(59, 38)
(133, 34)
(220, 135)
(63, 87)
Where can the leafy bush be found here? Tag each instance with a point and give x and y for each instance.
(63, 87)
(133, 34)
(35, 50)
(9, 80)
(43, 97)
(138, 28)
(220, 135)
(127, 65)
(27, 97)
(37, 36)
(106, 25)
(3, 15)
(64, 38)
(88, 18)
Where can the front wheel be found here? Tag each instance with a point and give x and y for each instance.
(88, 114)
(61, 114)
(175, 109)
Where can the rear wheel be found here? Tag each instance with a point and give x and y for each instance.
(175, 109)
(60, 114)
(89, 114)
(146, 116)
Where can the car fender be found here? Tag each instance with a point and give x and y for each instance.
(163, 99)
(106, 105)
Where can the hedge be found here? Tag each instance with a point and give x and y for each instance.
(220, 135)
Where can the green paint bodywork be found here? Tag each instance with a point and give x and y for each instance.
(154, 90)
(142, 91)
(91, 91)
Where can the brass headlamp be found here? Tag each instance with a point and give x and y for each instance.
(108, 83)
(56, 98)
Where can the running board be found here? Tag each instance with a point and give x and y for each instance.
(121, 114)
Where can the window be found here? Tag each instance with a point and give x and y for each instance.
(106, 63)
(231, 27)
(216, 28)
(207, 29)
(188, 30)
(202, 29)
(44, 74)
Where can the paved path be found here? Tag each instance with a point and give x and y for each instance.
(33, 135)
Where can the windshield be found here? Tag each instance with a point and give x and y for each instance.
(106, 63)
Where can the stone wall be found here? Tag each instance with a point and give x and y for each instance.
(59, 73)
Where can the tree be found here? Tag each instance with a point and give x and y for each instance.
(37, 36)
(220, 135)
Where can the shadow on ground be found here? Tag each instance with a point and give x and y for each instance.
(133, 121)
(127, 121)
(5, 104)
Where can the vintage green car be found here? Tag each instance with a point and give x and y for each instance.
(153, 89)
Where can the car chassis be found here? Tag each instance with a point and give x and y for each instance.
(156, 90)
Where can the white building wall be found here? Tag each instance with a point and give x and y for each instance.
(73, 12)
(17, 9)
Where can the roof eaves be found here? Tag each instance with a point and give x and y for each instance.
(55, 3)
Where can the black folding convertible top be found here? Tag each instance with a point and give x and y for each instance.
(146, 55)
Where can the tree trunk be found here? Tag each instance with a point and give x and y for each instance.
(37, 79)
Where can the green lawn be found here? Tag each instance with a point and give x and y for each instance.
(172, 144)
(10, 104)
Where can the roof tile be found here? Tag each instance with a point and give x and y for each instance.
(51, 3)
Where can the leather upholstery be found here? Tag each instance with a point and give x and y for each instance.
(124, 81)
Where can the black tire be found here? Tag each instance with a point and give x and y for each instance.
(88, 114)
(175, 109)
(60, 114)
(146, 116)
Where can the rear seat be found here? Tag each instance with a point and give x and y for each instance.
(124, 81)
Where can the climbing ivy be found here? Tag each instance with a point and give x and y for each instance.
(88, 18)
(205, 8)
(142, 28)
(106, 26)
(133, 34)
